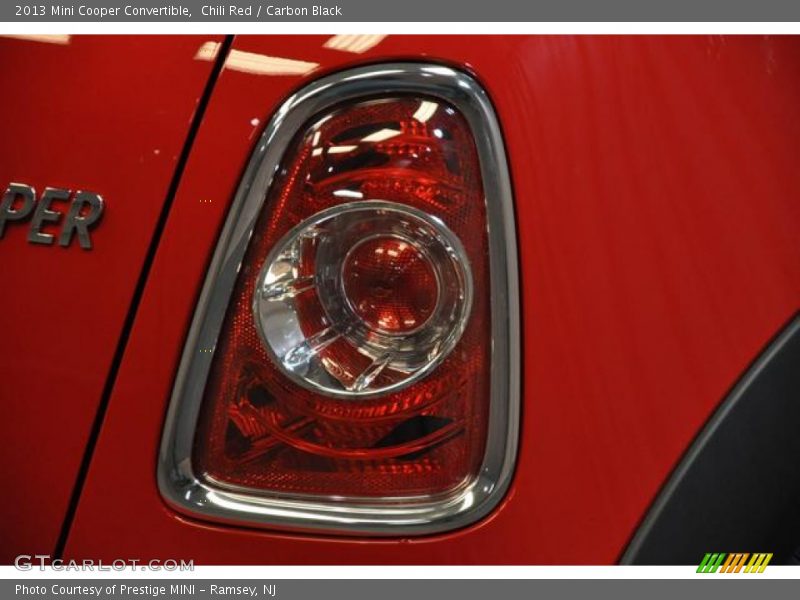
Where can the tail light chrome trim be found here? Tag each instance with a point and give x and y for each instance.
(178, 483)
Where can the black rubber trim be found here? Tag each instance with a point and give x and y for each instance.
(737, 489)
(97, 425)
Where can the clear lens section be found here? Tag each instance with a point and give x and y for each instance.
(363, 298)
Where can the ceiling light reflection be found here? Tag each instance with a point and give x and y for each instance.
(348, 194)
(381, 135)
(357, 44)
(341, 149)
(425, 111)
(62, 40)
(254, 63)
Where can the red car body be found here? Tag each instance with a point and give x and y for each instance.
(657, 197)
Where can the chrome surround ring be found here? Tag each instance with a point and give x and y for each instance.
(188, 493)
(411, 352)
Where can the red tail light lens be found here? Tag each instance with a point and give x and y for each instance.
(357, 379)
(390, 284)
(353, 314)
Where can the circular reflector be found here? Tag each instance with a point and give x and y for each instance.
(390, 284)
(363, 298)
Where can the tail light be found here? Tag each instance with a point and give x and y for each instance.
(362, 310)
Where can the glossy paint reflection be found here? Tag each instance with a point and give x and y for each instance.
(656, 188)
(92, 113)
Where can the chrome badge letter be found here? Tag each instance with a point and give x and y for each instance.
(19, 203)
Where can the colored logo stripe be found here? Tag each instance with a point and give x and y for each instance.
(711, 562)
(758, 563)
(733, 562)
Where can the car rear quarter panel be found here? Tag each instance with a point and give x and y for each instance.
(109, 115)
(658, 209)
